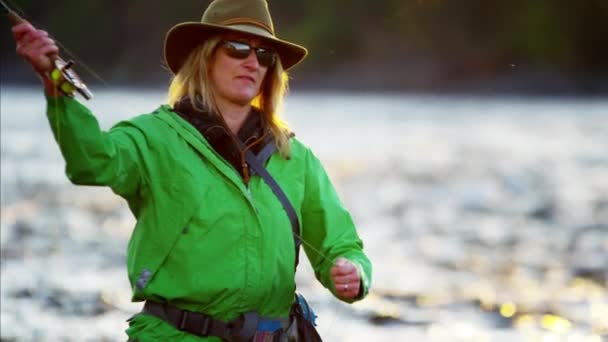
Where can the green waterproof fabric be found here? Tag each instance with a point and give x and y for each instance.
(204, 240)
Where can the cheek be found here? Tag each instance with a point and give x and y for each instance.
(221, 82)
(220, 69)
(217, 80)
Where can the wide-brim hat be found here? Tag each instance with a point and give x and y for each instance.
(224, 16)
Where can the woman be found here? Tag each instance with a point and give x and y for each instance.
(212, 253)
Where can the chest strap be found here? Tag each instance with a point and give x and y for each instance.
(257, 164)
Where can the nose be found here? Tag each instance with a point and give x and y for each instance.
(252, 61)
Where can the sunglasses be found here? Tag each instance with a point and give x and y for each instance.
(239, 50)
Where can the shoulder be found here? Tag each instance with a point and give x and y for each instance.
(302, 153)
(150, 119)
(298, 149)
(147, 130)
(149, 124)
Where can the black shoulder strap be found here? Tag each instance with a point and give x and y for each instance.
(257, 165)
(266, 152)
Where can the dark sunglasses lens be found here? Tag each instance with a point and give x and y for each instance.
(266, 57)
(237, 50)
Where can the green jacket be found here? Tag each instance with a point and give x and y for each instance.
(204, 240)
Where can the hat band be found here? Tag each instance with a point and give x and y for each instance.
(255, 30)
(247, 21)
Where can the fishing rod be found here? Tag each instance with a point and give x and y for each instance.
(64, 76)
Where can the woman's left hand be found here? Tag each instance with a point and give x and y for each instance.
(346, 278)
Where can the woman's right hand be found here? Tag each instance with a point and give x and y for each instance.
(36, 47)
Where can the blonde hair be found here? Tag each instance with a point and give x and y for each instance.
(193, 80)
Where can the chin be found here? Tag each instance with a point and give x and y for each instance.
(241, 100)
(244, 98)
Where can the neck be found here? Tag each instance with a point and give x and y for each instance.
(234, 115)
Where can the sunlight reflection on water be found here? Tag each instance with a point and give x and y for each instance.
(485, 218)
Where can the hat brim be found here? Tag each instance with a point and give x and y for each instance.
(182, 38)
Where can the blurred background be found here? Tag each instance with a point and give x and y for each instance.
(469, 139)
(530, 47)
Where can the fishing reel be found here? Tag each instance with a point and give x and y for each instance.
(67, 80)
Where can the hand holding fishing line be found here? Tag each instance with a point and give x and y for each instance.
(346, 278)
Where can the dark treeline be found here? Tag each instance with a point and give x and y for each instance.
(518, 46)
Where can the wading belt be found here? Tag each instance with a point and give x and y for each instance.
(243, 328)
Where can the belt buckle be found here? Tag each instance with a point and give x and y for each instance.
(183, 319)
(205, 327)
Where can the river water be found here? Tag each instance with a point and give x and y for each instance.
(486, 219)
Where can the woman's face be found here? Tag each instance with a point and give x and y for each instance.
(237, 80)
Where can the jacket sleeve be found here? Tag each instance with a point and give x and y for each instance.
(95, 157)
(328, 229)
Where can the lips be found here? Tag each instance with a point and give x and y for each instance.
(245, 77)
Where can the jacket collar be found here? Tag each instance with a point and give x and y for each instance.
(212, 127)
(195, 139)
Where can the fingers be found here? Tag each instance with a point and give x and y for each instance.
(22, 29)
(348, 290)
(42, 45)
(346, 278)
(342, 267)
(349, 278)
(34, 46)
(38, 57)
(31, 37)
